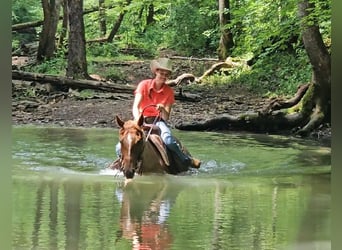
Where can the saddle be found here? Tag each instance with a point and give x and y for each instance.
(153, 133)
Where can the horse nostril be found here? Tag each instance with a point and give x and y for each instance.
(129, 174)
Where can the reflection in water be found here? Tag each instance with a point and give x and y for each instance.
(145, 208)
(67, 212)
(72, 213)
(72, 203)
(73, 137)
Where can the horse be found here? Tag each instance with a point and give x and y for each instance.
(143, 152)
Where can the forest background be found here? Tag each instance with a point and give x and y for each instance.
(263, 40)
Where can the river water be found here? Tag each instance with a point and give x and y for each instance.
(251, 192)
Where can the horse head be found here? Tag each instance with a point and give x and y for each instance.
(131, 137)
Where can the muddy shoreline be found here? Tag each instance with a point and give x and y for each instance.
(99, 110)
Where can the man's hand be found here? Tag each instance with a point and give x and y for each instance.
(160, 107)
(164, 111)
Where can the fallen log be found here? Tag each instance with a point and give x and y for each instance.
(73, 83)
(253, 122)
(89, 84)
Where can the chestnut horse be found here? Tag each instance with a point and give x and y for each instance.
(143, 152)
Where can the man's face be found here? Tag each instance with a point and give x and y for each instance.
(162, 74)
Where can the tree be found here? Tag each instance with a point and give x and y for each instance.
(47, 40)
(64, 30)
(102, 17)
(315, 96)
(318, 100)
(77, 62)
(118, 23)
(226, 40)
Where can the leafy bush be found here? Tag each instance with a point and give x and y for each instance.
(54, 66)
(279, 73)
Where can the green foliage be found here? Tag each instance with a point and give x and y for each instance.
(102, 50)
(26, 11)
(264, 26)
(279, 74)
(54, 66)
(191, 28)
(15, 44)
(86, 93)
(30, 92)
(108, 72)
(268, 31)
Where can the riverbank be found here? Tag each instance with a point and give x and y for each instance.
(99, 109)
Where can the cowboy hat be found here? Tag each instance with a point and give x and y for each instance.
(161, 63)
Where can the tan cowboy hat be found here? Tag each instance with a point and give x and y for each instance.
(161, 63)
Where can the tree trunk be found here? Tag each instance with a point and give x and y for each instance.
(64, 25)
(102, 18)
(118, 23)
(77, 62)
(316, 103)
(47, 40)
(150, 15)
(226, 39)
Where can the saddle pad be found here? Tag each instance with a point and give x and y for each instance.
(158, 143)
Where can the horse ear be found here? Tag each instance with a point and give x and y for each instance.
(119, 121)
(140, 120)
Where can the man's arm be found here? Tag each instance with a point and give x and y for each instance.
(165, 111)
(135, 109)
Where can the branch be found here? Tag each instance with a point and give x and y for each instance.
(278, 104)
(229, 63)
(21, 26)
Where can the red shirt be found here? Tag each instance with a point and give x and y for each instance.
(151, 96)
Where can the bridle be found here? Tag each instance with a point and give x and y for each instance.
(140, 150)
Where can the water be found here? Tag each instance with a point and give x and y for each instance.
(252, 192)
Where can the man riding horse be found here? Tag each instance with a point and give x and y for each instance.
(153, 100)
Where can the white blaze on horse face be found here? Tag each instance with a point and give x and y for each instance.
(129, 142)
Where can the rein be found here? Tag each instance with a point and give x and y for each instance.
(153, 123)
(158, 117)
